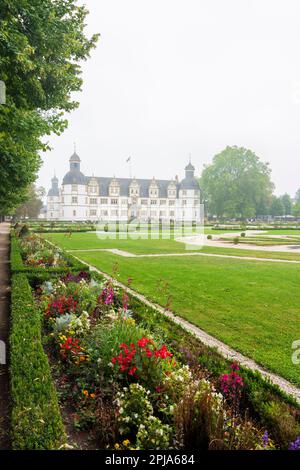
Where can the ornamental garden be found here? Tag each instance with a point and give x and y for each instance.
(94, 367)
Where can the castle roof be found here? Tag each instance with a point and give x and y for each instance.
(125, 183)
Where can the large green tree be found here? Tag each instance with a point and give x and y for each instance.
(287, 203)
(41, 45)
(277, 207)
(237, 184)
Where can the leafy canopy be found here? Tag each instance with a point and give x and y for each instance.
(237, 184)
(41, 45)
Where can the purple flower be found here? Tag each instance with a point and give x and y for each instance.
(295, 445)
(265, 439)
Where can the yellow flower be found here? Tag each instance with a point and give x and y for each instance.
(92, 395)
(117, 446)
(85, 393)
(126, 443)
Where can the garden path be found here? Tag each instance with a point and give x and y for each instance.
(127, 254)
(4, 335)
(207, 339)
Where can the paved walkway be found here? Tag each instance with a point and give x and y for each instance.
(209, 340)
(4, 335)
(218, 242)
(127, 254)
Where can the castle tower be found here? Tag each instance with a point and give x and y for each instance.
(74, 192)
(53, 201)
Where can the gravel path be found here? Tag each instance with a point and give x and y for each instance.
(127, 254)
(209, 340)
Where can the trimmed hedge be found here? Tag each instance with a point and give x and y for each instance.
(36, 418)
(18, 266)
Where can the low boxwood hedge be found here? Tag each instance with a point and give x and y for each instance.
(36, 419)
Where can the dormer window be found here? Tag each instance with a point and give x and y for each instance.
(93, 187)
(134, 189)
(153, 189)
(114, 188)
(172, 190)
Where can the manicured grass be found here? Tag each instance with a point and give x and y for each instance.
(252, 253)
(90, 241)
(85, 241)
(251, 306)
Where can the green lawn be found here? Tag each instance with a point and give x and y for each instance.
(90, 241)
(250, 305)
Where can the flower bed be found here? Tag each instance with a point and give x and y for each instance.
(126, 379)
(32, 253)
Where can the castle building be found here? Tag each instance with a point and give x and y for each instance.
(90, 198)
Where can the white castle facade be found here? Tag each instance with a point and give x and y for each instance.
(90, 198)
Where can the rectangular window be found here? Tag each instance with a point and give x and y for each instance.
(171, 203)
(74, 200)
(74, 188)
(105, 213)
(93, 212)
(184, 193)
(153, 202)
(62, 200)
(93, 200)
(184, 202)
(124, 213)
(114, 201)
(162, 213)
(124, 202)
(74, 213)
(103, 201)
(144, 202)
(163, 202)
(172, 213)
(114, 212)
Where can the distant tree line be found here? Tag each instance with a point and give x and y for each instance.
(237, 184)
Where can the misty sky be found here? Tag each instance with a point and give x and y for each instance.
(174, 77)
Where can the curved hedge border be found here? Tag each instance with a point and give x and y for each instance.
(18, 266)
(36, 418)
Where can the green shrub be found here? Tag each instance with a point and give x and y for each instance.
(236, 240)
(36, 422)
(243, 234)
(209, 237)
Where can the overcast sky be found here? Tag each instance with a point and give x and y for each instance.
(171, 78)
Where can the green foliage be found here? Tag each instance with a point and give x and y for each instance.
(33, 203)
(236, 184)
(277, 207)
(36, 419)
(105, 341)
(287, 203)
(41, 45)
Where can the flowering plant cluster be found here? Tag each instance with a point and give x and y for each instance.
(61, 306)
(165, 404)
(35, 252)
(144, 360)
(71, 350)
(232, 383)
